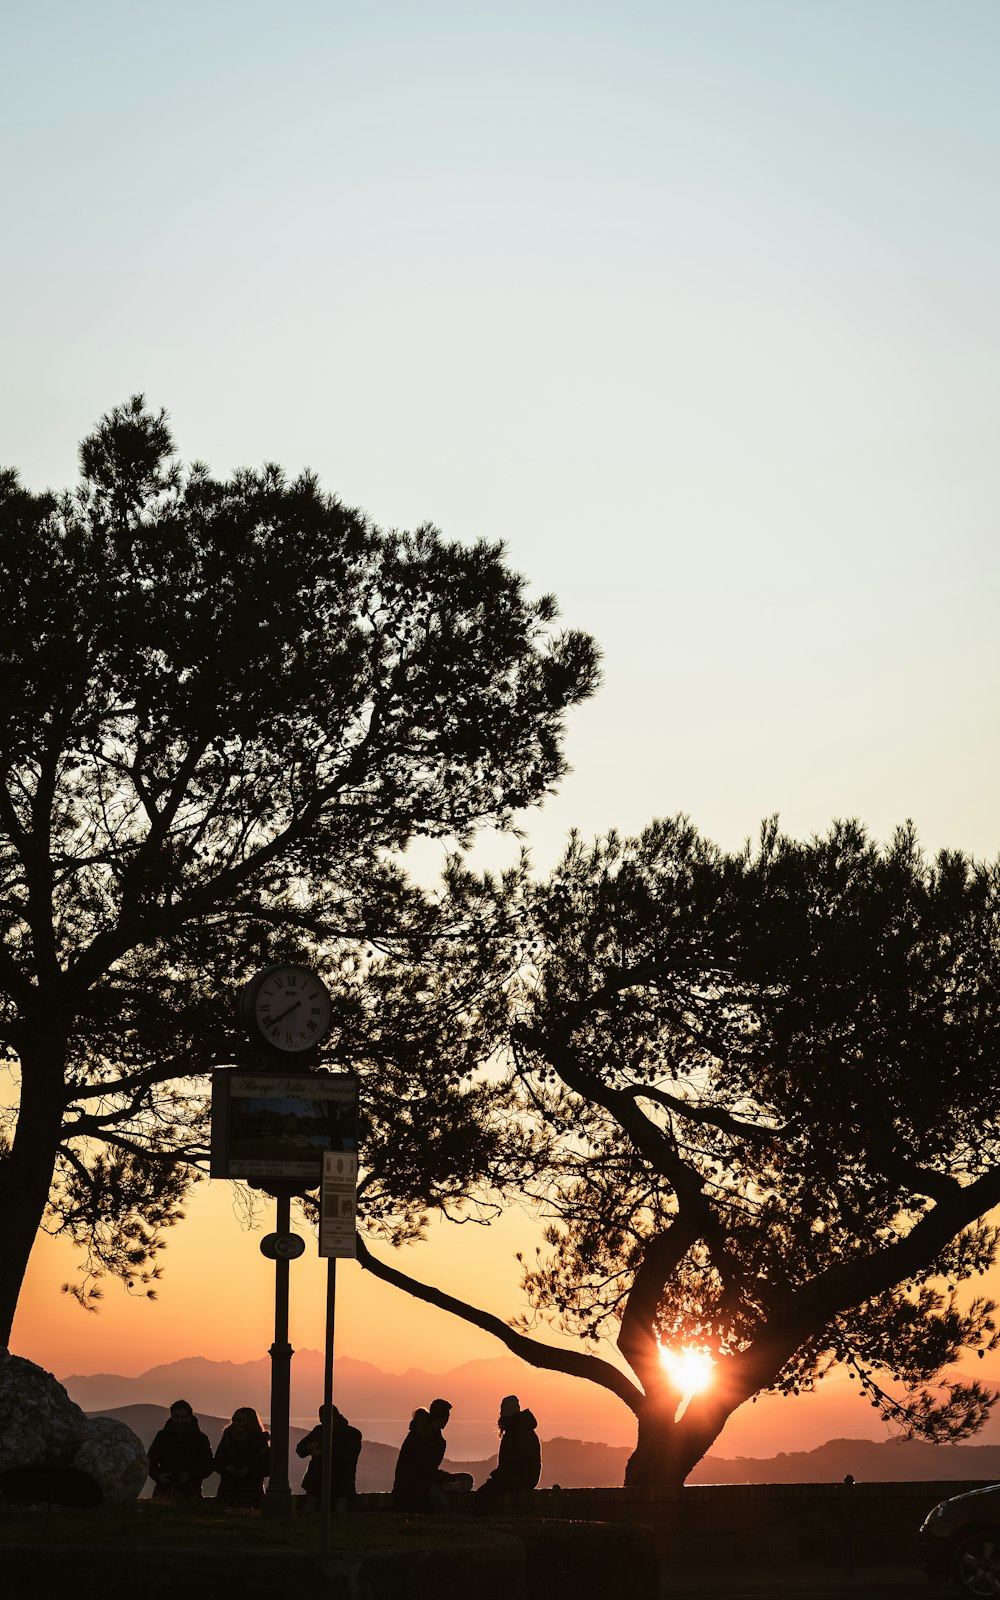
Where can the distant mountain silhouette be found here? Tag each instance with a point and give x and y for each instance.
(382, 1402)
(375, 1469)
(773, 1429)
(569, 1462)
(576, 1463)
(867, 1460)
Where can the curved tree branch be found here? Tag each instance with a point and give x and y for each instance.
(575, 1363)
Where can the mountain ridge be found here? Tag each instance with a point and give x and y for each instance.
(579, 1463)
(382, 1402)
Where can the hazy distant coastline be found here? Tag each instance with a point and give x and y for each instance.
(578, 1463)
(381, 1403)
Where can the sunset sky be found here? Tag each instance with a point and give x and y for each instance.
(694, 305)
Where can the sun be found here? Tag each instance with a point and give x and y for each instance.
(690, 1368)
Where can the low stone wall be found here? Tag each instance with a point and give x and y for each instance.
(551, 1544)
(583, 1559)
(767, 1523)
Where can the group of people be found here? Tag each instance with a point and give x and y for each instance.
(181, 1458)
(421, 1484)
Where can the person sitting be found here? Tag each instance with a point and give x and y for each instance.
(242, 1459)
(519, 1460)
(345, 1449)
(180, 1457)
(439, 1412)
(415, 1486)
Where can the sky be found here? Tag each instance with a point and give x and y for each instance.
(694, 306)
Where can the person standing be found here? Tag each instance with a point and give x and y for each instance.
(345, 1450)
(180, 1457)
(519, 1459)
(242, 1459)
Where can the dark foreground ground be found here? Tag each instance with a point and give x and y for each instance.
(156, 1552)
(151, 1551)
(875, 1581)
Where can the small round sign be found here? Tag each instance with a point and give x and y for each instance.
(282, 1246)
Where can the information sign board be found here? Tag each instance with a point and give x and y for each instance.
(278, 1125)
(337, 1206)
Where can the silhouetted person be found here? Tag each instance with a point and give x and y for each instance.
(519, 1459)
(416, 1485)
(420, 1482)
(242, 1459)
(180, 1457)
(439, 1412)
(346, 1447)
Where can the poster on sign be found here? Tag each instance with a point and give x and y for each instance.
(337, 1208)
(279, 1124)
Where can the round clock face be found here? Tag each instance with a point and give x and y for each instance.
(291, 1008)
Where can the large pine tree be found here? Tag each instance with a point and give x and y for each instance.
(226, 706)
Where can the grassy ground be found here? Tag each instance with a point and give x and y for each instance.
(150, 1524)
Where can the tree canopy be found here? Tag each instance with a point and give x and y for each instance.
(765, 1084)
(226, 707)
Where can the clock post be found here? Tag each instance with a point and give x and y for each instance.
(278, 1494)
(286, 1011)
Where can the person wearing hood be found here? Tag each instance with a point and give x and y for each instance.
(519, 1459)
(345, 1448)
(180, 1457)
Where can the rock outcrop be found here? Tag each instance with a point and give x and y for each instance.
(41, 1425)
(114, 1455)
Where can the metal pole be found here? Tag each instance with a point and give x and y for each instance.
(278, 1499)
(326, 1480)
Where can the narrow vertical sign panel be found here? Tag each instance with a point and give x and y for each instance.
(337, 1235)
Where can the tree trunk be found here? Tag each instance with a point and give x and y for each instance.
(668, 1448)
(656, 1462)
(26, 1175)
(22, 1206)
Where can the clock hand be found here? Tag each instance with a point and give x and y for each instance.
(283, 1014)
